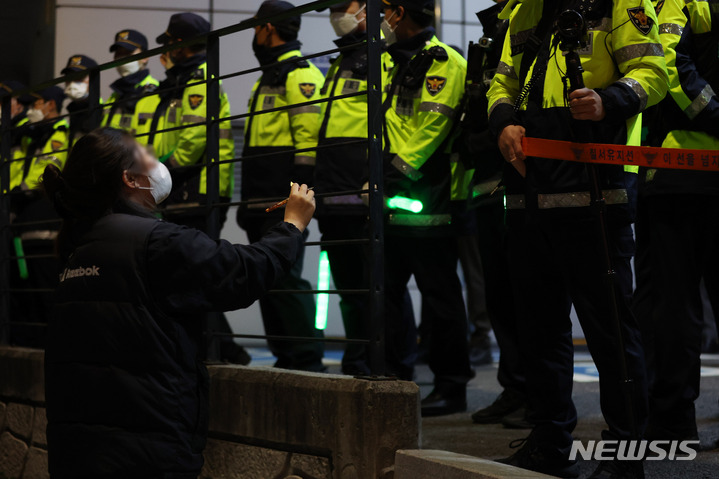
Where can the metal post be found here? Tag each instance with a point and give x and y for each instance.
(376, 193)
(95, 118)
(212, 97)
(5, 145)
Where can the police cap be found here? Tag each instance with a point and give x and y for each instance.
(275, 7)
(51, 93)
(77, 63)
(9, 86)
(184, 26)
(129, 40)
(425, 7)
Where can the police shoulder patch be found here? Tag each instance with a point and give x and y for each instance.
(640, 19)
(659, 6)
(435, 85)
(308, 89)
(196, 101)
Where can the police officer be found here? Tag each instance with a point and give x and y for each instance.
(487, 199)
(183, 103)
(345, 168)
(18, 119)
(425, 89)
(678, 224)
(82, 119)
(184, 150)
(45, 142)
(556, 248)
(134, 82)
(276, 135)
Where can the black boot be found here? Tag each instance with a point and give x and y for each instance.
(505, 404)
(532, 457)
(445, 399)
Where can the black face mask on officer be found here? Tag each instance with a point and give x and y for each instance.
(261, 44)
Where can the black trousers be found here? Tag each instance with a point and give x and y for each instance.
(492, 240)
(433, 262)
(349, 267)
(556, 262)
(677, 236)
(288, 314)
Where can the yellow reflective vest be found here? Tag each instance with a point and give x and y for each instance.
(426, 93)
(52, 150)
(117, 115)
(289, 124)
(187, 147)
(623, 61)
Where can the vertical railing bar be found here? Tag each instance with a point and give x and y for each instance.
(5, 146)
(376, 188)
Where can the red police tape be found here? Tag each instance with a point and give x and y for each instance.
(650, 157)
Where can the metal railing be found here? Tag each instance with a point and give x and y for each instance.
(211, 208)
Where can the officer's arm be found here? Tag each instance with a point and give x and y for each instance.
(191, 273)
(191, 143)
(503, 91)
(227, 142)
(437, 112)
(304, 85)
(640, 58)
(695, 96)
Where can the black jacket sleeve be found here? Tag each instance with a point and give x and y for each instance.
(190, 273)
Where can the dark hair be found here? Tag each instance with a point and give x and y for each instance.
(90, 185)
(422, 20)
(286, 34)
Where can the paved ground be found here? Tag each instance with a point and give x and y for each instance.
(457, 433)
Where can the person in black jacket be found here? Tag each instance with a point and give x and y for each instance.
(126, 393)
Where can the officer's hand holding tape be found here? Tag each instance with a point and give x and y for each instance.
(510, 144)
(300, 206)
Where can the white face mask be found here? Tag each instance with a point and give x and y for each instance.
(345, 23)
(160, 183)
(76, 90)
(389, 35)
(129, 68)
(34, 115)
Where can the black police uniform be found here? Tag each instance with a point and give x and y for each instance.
(126, 393)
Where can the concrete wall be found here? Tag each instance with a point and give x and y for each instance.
(264, 423)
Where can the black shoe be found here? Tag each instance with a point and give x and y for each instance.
(619, 470)
(530, 457)
(442, 402)
(517, 420)
(505, 404)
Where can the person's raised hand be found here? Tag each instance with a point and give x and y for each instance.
(300, 206)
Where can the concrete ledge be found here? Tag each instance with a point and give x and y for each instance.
(358, 425)
(429, 464)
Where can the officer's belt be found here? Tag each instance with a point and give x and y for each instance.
(39, 235)
(567, 200)
(646, 156)
(343, 200)
(419, 220)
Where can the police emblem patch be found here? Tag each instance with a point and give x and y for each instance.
(196, 101)
(76, 61)
(122, 36)
(435, 84)
(56, 145)
(658, 8)
(308, 89)
(640, 19)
